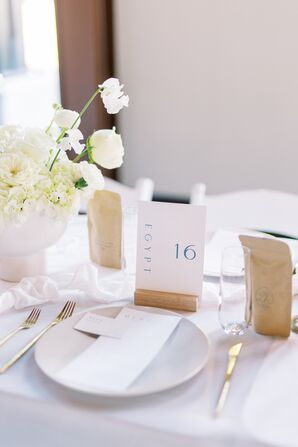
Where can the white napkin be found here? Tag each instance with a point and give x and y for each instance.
(270, 412)
(97, 283)
(114, 364)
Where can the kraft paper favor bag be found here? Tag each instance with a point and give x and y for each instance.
(270, 276)
(105, 229)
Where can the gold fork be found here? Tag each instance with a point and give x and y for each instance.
(66, 312)
(27, 324)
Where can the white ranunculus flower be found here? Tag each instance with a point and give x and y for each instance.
(107, 148)
(8, 135)
(18, 170)
(34, 143)
(65, 118)
(72, 141)
(92, 175)
(112, 95)
(31, 142)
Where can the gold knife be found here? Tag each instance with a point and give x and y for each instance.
(233, 355)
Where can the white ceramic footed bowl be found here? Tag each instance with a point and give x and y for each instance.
(37, 233)
(22, 248)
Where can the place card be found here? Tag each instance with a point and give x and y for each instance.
(170, 255)
(99, 325)
(113, 364)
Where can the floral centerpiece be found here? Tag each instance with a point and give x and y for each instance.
(38, 180)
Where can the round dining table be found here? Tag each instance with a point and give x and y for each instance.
(35, 411)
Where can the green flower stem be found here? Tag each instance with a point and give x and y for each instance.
(97, 91)
(55, 158)
(79, 156)
(49, 126)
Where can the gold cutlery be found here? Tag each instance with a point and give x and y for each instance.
(27, 324)
(66, 312)
(234, 351)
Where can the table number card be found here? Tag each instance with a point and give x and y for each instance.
(170, 255)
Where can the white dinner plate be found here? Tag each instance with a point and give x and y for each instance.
(180, 359)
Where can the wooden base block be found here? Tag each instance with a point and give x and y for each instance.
(166, 300)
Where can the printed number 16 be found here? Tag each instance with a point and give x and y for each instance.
(189, 253)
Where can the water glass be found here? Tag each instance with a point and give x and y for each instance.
(234, 290)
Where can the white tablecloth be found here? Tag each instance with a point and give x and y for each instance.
(35, 411)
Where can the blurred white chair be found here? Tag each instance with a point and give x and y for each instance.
(197, 194)
(143, 190)
(261, 209)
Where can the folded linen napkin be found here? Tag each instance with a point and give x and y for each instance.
(99, 284)
(88, 282)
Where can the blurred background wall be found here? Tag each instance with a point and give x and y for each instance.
(213, 84)
(214, 92)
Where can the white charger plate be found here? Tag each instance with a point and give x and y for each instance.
(180, 359)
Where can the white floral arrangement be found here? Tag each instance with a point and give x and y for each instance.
(35, 171)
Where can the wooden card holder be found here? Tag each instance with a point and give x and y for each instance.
(166, 300)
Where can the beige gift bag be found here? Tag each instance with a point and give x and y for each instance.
(105, 228)
(270, 277)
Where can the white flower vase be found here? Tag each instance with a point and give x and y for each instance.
(22, 248)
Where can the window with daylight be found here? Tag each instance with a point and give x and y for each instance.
(28, 61)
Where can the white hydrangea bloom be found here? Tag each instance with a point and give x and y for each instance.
(60, 197)
(16, 204)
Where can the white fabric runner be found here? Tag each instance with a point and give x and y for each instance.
(96, 283)
(88, 282)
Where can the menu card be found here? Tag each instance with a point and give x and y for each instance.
(113, 364)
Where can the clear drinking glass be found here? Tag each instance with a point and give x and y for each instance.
(129, 239)
(234, 290)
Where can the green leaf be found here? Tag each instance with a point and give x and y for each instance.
(81, 183)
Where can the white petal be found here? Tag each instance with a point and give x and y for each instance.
(75, 134)
(64, 144)
(78, 147)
